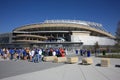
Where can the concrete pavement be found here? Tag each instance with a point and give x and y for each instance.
(73, 72)
(13, 68)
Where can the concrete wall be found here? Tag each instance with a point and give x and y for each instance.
(82, 33)
(91, 40)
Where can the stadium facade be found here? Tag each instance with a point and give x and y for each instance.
(70, 30)
(63, 31)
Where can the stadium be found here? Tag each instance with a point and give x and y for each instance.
(63, 31)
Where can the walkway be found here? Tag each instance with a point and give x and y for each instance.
(74, 72)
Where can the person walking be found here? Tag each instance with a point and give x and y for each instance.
(40, 54)
(62, 52)
(24, 55)
(88, 53)
(32, 53)
(54, 53)
(81, 52)
(12, 52)
(36, 56)
(27, 52)
(76, 51)
(50, 52)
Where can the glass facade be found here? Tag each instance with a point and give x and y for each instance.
(5, 38)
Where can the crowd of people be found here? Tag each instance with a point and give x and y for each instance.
(37, 54)
(33, 55)
(83, 52)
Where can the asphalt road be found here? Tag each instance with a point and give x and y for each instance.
(13, 68)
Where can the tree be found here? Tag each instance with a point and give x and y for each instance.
(118, 33)
(117, 45)
(96, 47)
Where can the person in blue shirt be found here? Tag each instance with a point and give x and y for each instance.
(18, 52)
(76, 51)
(57, 52)
(88, 53)
(37, 56)
(24, 55)
(0, 52)
(12, 52)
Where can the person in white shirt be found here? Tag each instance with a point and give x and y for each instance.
(66, 52)
(40, 54)
(32, 53)
(54, 53)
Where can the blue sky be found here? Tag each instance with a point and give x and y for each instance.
(16, 13)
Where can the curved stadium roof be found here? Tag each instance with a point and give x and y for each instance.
(86, 23)
(92, 26)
